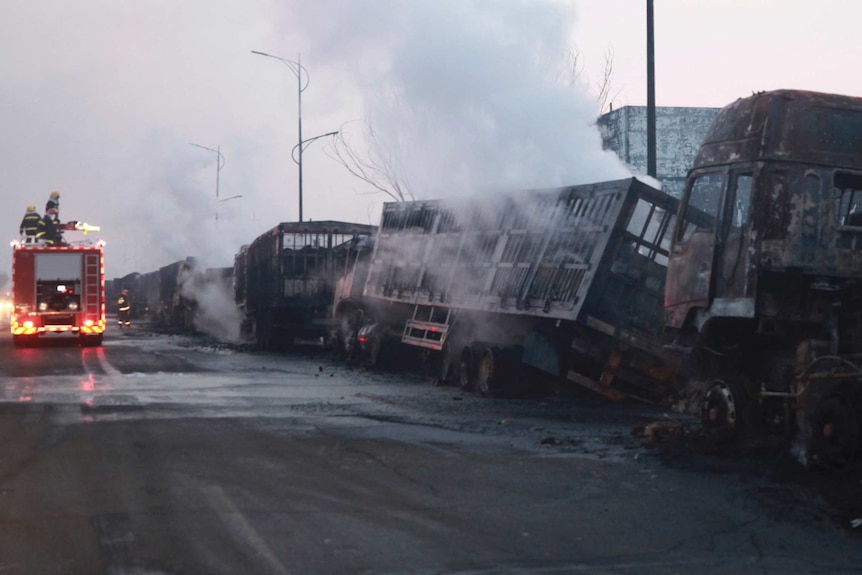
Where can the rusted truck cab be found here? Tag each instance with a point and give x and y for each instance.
(766, 262)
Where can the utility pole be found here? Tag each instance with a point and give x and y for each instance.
(651, 128)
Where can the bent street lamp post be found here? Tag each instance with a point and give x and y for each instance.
(220, 202)
(220, 162)
(301, 146)
(298, 69)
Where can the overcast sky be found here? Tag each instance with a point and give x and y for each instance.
(101, 98)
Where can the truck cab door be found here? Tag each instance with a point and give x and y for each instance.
(732, 249)
(693, 253)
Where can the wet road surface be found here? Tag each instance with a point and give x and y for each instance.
(166, 454)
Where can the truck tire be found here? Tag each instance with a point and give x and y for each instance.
(489, 372)
(375, 348)
(728, 415)
(466, 370)
(349, 322)
(834, 427)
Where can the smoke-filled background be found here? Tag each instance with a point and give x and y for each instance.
(100, 100)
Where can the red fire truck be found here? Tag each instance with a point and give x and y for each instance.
(58, 290)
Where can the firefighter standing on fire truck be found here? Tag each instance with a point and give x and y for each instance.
(54, 202)
(49, 229)
(30, 223)
(124, 311)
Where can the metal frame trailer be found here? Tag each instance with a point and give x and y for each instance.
(569, 281)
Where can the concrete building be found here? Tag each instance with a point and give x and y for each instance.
(679, 133)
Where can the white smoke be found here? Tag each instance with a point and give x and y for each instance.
(211, 297)
(107, 99)
(466, 93)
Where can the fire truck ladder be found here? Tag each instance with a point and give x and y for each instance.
(92, 281)
(428, 327)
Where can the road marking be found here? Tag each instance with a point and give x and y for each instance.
(87, 361)
(109, 369)
(236, 523)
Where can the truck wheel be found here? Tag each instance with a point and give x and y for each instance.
(349, 322)
(488, 374)
(375, 348)
(834, 431)
(466, 370)
(722, 412)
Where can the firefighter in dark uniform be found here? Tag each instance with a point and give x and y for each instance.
(124, 310)
(49, 229)
(30, 223)
(54, 202)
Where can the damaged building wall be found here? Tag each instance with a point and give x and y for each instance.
(679, 133)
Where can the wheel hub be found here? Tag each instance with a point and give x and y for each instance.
(719, 412)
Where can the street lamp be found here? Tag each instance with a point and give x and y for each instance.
(219, 202)
(301, 146)
(298, 69)
(219, 163)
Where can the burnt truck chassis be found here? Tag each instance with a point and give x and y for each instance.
(568, 282)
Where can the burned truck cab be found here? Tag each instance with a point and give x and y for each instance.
(766, 261)
(774, 191)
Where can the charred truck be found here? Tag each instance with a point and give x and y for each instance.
(568, 281)
(742, 301)
(58, 290)
(284, 281)
(765, 275)
(177, 295)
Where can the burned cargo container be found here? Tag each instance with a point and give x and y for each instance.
(284, 281)
(568, 281)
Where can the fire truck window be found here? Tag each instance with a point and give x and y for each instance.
(847, 189)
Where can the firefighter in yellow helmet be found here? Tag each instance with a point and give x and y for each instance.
(124, 310)
(30, 223)
(54, 202)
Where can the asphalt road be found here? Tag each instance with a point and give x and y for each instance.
(166, 454)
